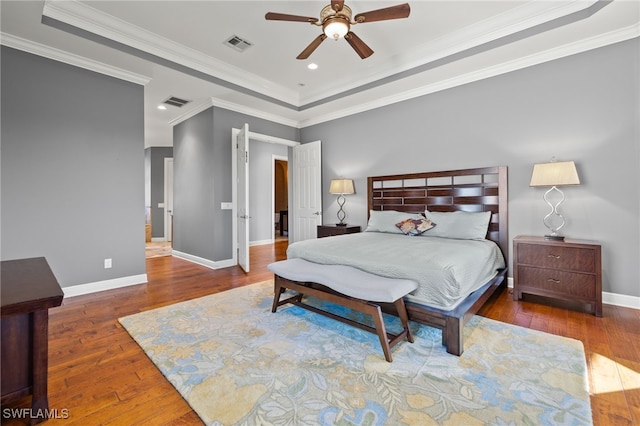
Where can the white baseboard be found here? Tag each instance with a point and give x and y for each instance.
(260, 243)
(204, 262)
(158, 240)
(79, 290)
(621, 300)
(608, 298)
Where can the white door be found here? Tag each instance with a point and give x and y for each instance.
(242, 159)
(307, 190)
(168, 199)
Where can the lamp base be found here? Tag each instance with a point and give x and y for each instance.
(553, 220)
(341, 224)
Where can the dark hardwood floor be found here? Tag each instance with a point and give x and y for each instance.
(99, 375)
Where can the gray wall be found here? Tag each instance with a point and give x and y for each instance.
(72, 175)
(583, 108)
(202, 179)
(72, 169)
(194, 177)
(156, 187)
(261, 188)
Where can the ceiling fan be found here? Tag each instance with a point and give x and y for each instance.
(335, 20)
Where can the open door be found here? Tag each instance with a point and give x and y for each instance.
(307, 190)
(242, 160)
(309, 168)
(168, 199)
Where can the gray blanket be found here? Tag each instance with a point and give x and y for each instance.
(446, 270)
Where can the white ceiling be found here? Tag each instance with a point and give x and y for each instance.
(176, 49)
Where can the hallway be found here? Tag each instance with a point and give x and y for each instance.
(157, 249)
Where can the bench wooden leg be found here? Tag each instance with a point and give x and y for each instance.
(279, 287)
(376, 313)
(404, 317)
(278, 290)
(387, 341)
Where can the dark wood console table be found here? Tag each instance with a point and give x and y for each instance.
(29, 289)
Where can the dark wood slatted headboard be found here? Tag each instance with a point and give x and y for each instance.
(472, 190)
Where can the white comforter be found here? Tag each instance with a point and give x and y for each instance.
(446, 270)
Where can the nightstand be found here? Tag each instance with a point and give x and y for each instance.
(567, 270)
(332, 230)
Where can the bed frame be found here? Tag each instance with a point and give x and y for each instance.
(472, 190)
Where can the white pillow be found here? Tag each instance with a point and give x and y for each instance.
(385, 220)
(459, 225)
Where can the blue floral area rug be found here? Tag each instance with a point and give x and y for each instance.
(235, 362)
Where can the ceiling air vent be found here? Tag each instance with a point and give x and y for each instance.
(176, 102)
(238, 43)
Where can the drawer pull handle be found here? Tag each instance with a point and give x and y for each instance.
(553, 256)
(551, 280)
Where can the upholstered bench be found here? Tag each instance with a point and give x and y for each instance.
(345, 286)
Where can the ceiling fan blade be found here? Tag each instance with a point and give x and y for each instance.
(311, 47)
(337, 5)
(393, 12)
(358, 45)
(271, 16)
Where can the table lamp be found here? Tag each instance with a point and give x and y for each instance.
(341, 187)
(554, 174)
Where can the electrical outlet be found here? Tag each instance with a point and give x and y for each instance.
(107, 263)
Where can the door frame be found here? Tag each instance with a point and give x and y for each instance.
(274, 158)
(234, 178)
(242, 203)
(168, 210)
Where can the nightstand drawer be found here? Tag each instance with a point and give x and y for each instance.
(569, 270)
(555, 257)
(549, 280)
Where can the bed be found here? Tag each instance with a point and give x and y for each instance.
(471, 206)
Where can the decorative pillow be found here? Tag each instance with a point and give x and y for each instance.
(415, 226)
(459, 225)
(385, 220)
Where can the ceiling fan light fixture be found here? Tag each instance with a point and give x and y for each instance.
(335, 20)
(335, 28)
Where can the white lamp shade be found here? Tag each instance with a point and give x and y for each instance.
(341, 186)
(336, 28)
(555, 174)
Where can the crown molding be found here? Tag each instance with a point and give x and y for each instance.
(194, 110)
(559, 52)
(508, 23)
(254, 112)
(71, 59)
(214, 102)
(85, 17)
(503, 25)
(584, 45)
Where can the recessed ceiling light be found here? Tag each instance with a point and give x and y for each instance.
(162, 107)
(312, 66)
